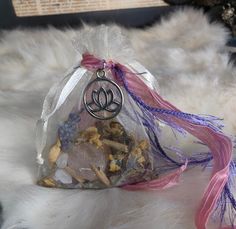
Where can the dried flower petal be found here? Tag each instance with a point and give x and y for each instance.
(54, 153)
(47, 182)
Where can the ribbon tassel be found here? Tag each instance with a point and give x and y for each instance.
(206, 129)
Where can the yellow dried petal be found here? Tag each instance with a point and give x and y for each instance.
(54, 153)
(111, 157)
(143, 145)
(96, 140)
(141, 159)
(114, 167)
(92, 129)
(92, 136)
(137, 151)
(47, 182)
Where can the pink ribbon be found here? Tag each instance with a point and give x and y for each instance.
(219, 144)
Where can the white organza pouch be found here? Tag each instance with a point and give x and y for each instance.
(104, 125)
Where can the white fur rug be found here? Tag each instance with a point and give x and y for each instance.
(185, 52)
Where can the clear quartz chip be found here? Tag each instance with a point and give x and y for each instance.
(83, 156)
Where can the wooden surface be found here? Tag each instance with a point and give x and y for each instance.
(25, 8)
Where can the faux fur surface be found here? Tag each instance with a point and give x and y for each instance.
(187, 55)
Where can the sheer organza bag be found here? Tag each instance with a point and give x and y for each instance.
(105, 125)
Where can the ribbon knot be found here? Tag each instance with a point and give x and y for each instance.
(92, 63)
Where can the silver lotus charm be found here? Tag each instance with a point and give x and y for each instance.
(103, 98)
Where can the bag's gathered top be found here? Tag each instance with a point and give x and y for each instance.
(103, 126)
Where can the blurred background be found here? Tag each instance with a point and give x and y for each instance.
(129, 13)
(136, 13)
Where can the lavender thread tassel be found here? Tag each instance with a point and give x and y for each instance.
(210, 121)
